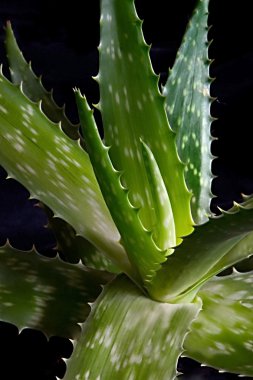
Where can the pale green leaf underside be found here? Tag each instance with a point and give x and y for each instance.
(132, 109)
(45, 294)
(212, 247)
(55, 170)
(128, 336)
(188, 107)
(140, 247)
(21, 72)
(222, 335)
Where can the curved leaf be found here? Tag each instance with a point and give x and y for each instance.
(212, 247)
(55, 170)
(128, 336)
(222, 335)
(188, 107)
(45, 294)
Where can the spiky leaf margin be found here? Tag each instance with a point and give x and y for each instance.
(128, 336)
(222, 335)
(143, 253)
(132, 108)
(211, 248)
(188, 103)
(21, 72)
(56, 170)
(46, 294)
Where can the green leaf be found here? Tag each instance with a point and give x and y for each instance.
(140, 247)
(133, 109)
(188, 107)
(164, 233)
(56, 171)
(240, 251)
(73, 247)
(128, 336)
(45, 294)
(21, 72)
(222, 335)
(212, 247)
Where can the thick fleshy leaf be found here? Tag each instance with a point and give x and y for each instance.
(46, 294)
(21, 72)
(55, 170)
(211, 248)
(188, 107)
(72, 247)
(222, 335)
(128, 336)
(132, 110)
(140, 247)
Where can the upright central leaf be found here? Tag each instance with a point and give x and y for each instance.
(132, 110)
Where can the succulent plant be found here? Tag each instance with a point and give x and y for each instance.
(130, 209)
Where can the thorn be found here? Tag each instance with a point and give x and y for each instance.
(96, 78)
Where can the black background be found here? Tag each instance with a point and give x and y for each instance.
(61, 39)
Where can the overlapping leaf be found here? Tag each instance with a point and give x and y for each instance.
(129, 336)
(140, 247)
(55, 170)
(188, 107)
(132, 109)
(212, 247)
(45, 294)
(222, 335)
(73, 248)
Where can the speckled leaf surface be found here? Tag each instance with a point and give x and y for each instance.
(222, 335)
(188, 107)
(132, 108)
(72, 247)
(45, 294)
(21, 72)
(55, 170)
(212, 247)
(140, 247)
(128, 336)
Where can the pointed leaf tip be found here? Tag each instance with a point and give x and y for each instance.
(188, 104)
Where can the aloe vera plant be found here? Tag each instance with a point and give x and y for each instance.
(130, 213)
